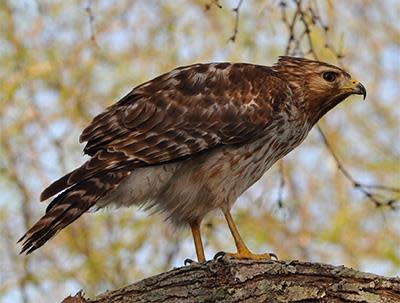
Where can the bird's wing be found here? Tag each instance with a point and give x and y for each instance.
(186, 111)
(180, 114)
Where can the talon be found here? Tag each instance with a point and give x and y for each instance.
(273, 256)
(219, 255)
(188, 262)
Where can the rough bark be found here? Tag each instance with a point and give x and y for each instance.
(228, 280)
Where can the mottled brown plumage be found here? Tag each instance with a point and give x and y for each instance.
(193, 140)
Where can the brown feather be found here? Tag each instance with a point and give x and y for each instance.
(69, 206)
(186, 111)
(102, 161)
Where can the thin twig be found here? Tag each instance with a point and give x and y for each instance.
(236, 10)
(281, 184)
(89, 12)
(307, 30)
(361, 187)
(378, 187)
(290, 24)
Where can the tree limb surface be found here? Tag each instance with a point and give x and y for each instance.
(228, 280)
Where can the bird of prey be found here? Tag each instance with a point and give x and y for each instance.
(193, 140)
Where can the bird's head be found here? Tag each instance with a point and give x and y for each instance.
(319, 85)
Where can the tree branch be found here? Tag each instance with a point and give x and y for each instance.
(228, 280)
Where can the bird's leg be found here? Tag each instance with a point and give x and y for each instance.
(242, 251)
(198, 244)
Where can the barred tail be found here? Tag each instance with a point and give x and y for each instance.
(69, 206)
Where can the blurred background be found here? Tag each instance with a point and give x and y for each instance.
(62, 62)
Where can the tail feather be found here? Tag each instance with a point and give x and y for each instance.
(48, 226)
(57, 186)
(100, 162)
(69, 206)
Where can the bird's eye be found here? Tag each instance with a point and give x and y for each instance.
(329, 76)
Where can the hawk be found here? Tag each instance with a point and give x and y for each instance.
(193, 140)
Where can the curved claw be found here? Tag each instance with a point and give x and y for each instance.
(188, 262)
(219, 255)
(273, 256)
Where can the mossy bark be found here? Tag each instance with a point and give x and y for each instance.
(228, 280)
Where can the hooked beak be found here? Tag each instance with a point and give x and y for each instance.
(359, 89)
(354, 87)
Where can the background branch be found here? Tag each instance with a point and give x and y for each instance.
(236, 10)
(90, 14)
(299, 36)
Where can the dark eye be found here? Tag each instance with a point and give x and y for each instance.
(329, 76)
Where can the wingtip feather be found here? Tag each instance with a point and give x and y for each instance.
(22, 238)
(44, 196)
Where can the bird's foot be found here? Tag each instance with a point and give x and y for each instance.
(190, 262)
(246, 255)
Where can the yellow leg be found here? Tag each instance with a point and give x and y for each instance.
(242, 251)
(198, 244)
